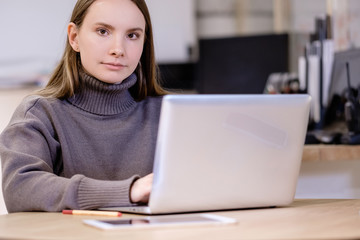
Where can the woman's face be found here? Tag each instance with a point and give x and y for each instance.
(110, 40)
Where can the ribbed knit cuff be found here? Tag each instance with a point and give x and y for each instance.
(93, 194)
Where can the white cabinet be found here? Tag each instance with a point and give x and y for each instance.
(174, 26)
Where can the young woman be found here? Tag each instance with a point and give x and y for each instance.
(87, 140)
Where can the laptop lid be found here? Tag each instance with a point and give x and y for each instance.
(219, 152)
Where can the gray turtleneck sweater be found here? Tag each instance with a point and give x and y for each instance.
(78, 153)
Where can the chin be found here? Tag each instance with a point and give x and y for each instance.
(111, 79)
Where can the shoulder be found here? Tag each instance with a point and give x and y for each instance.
(34, 105)
(34, 113)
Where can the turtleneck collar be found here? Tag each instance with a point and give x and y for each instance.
(102, 98)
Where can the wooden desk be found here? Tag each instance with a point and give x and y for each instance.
(304, 219)
(321, 152)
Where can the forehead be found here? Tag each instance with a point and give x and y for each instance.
(122, 13)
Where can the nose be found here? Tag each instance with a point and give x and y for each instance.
(117, 47)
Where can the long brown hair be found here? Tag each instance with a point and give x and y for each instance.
(65, 78)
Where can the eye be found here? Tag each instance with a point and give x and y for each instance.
(133, 36)
(102, 32)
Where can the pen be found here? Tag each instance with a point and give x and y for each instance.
(92, 213)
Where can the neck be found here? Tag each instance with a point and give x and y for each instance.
(102, 98)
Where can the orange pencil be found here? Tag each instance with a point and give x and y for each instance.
(92, 213)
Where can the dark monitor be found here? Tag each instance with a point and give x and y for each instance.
(338, 83)
(177, 75)
(239, 65)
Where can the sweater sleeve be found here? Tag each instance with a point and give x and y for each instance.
(30, 159)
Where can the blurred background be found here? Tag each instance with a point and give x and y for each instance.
(186, 33)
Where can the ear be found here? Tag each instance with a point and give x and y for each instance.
(73, 34)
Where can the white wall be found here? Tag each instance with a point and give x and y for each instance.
(33, 35)
(174, 26)
(216, 18)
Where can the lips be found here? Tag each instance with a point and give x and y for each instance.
(114, 66)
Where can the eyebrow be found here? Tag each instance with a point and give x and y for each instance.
(112, 28)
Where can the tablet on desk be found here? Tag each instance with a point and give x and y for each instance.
(159, 221)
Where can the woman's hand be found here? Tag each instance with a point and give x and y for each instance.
(141, 189)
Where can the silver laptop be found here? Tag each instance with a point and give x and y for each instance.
(217, 152)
